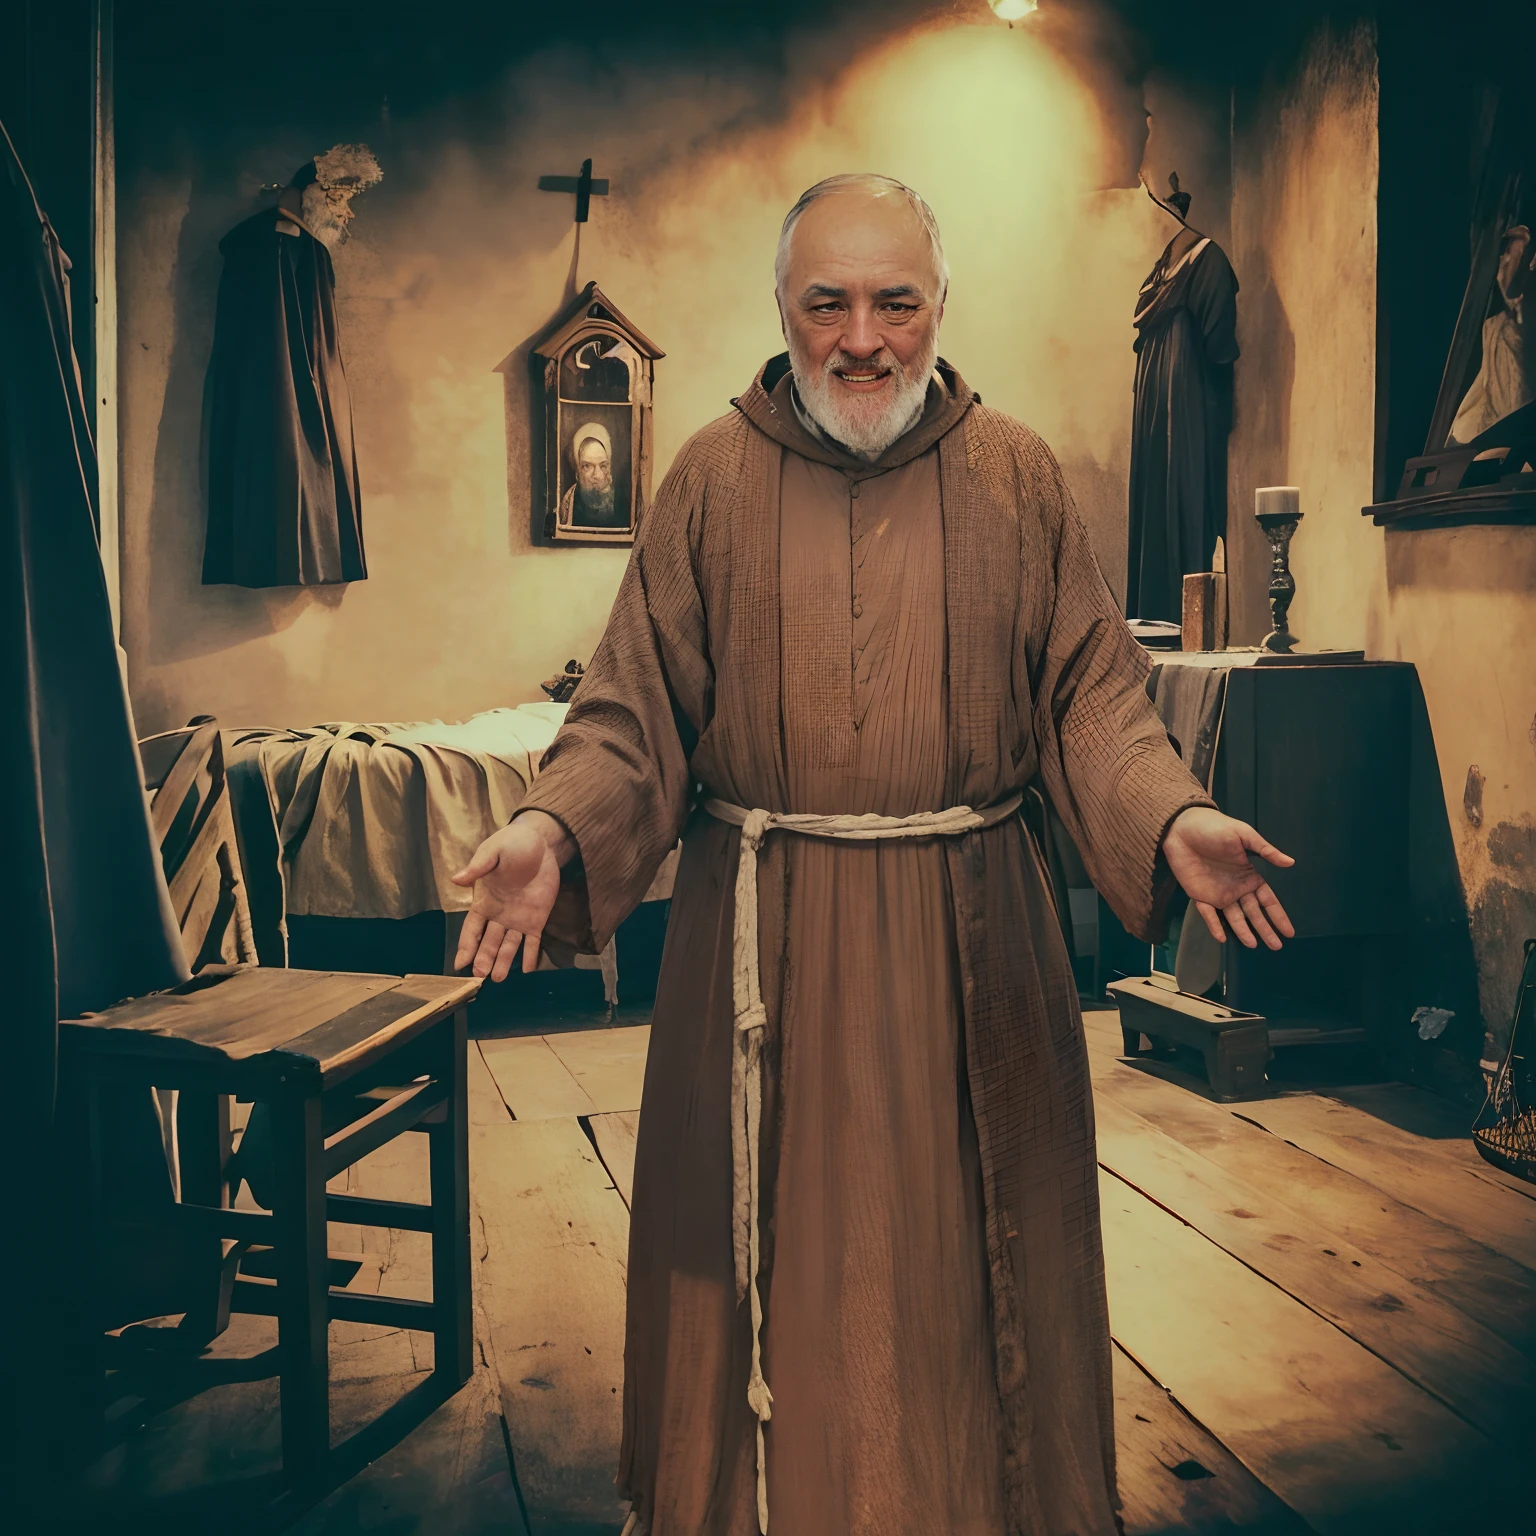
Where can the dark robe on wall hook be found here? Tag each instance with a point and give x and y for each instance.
(284, 507)
(1186, 319)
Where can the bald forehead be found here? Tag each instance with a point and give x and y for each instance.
(862, 228)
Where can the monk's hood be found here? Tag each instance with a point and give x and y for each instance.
(770, 407)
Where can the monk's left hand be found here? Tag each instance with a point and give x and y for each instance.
(1209, 856)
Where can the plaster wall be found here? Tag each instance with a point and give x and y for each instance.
(1455, 602)
(457, 262)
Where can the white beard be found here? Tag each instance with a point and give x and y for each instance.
(865, 426)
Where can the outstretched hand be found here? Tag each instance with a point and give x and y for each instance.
(1208, 854)
(516, 876)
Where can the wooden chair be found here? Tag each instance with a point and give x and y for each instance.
(195, 829)
(322, 1052)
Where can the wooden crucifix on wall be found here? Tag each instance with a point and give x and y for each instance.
(585, 186)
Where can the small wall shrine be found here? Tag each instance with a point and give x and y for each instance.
(597, 372)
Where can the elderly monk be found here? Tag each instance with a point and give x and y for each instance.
(866, 1290)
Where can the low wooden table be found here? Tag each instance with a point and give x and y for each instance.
(344, 1063)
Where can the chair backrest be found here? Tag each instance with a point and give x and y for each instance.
(190, 813)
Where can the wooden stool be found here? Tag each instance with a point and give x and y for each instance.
(1235, 1044)
(318, 1048)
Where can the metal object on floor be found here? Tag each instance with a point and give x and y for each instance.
(1505, 1131)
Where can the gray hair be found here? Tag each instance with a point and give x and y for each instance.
(861, 181)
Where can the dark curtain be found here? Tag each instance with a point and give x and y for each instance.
(283, 502)
(91, 921)
(88, 921)
(1186, 344)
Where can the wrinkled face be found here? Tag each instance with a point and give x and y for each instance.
(592, 468)
(328, 211)
(861, 304)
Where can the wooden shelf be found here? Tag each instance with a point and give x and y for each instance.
(1453, 509)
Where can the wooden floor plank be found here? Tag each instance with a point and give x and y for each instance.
(486, 1105)
(552, 1289)
(448, 1477)
(1487, 1286)
(1432, 1342)
(609, 1064)
(1405, 1166)
(1345, 1440)
(615, 1135)
(535, 1083)
(1175, 1477)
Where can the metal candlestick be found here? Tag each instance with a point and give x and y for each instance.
(1277, 509)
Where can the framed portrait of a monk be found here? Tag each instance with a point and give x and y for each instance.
(597, 374)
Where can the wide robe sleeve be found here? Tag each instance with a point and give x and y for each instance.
(616, 776)
(1105, 758)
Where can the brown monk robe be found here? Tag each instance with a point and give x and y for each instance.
(803, 631)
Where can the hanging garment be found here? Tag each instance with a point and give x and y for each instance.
(1186, 317)
(283, 502)
(89, 920)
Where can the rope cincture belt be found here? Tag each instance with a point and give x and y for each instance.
(751, 1020)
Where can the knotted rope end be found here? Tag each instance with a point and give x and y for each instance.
(760, 1398)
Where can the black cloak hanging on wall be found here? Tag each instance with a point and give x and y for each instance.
(283, 503)
(88, 919)
(1187, 319)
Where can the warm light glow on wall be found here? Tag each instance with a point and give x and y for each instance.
(1013, 10)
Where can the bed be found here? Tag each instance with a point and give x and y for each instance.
(370, 820)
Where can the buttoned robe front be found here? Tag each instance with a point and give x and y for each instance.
(799, 631)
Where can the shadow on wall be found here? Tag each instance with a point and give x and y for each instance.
(522, 386)
(1259, 450)
(1099, 491)
(525, 436)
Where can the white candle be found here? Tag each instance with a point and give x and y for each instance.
(1281, 500)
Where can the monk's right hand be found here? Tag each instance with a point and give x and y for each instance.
(516, 876)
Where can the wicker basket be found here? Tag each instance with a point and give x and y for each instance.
(1505, 1129)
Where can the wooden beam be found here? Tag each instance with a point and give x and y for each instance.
(103, 404)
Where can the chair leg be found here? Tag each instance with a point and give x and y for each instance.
(452, 1293)
(303, 1284)
(203, 1144)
